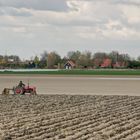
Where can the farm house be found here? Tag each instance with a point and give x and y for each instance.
(69, 65)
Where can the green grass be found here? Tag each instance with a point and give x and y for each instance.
(80, 72)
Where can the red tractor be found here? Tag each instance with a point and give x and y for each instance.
(25, 89)
(21, 90)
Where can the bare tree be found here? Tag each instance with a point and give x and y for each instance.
(98, 58)
(73, 55)
(43, 60)
(138, 58)
(36, 61)
(114, 55)
(53, 59)
(85, 59)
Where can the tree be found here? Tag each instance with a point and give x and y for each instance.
(36, 61)
(123, 59)
(74, 55)
(85, 59)
(114, 55)
(1, 59)
(138, 58)
(134, 64)
(98, 58)
(43, 60)
(53, 59)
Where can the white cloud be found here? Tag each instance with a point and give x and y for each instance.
(53, 5)
(49, 23)
(132, 13)
(95, 19)
(10, 11)
(128, 2)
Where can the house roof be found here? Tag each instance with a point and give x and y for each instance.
(70, 62)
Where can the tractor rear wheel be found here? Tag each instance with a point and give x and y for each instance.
(18, 90)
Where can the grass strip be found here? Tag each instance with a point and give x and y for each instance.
(78, 72)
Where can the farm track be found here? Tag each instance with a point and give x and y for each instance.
(69, 117)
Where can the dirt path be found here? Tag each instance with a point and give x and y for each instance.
(101, 85)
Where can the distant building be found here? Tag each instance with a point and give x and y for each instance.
(10, 60)
(119, 65)
(106, 63)
(70, 64)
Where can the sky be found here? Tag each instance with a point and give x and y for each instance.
(29, 27)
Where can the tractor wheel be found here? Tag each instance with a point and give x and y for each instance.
(18, 90)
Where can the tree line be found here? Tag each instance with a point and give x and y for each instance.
(86, 59)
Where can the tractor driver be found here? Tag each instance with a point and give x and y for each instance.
(21, 84)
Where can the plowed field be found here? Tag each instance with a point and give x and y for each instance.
(68, 117)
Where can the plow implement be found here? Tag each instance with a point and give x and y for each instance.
(6, 91)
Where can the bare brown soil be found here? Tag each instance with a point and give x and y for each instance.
(68, 117)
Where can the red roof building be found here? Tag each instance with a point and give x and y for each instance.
(106, 63)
